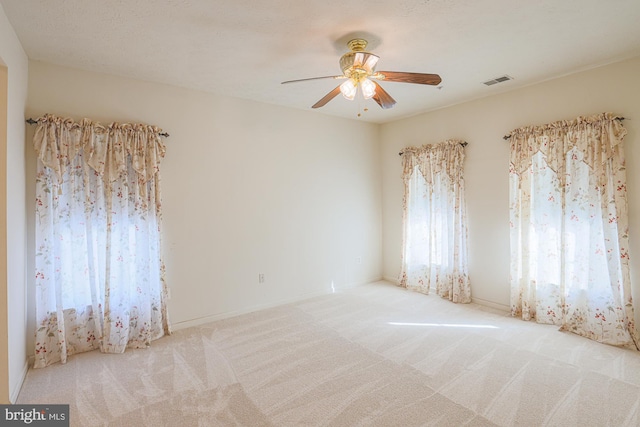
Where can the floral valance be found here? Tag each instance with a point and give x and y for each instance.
(447, 156)
(597, 137)
(106, 149)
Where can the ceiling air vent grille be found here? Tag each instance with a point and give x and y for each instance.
(497, 80)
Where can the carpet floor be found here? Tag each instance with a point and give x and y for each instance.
(373, 355)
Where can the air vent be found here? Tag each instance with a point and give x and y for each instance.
(498, 80)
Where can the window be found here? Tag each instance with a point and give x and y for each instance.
(569, 239)
(99, 272)
(434, 221)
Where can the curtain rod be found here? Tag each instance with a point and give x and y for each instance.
(464, 144)
(507, 137)
(33, 122)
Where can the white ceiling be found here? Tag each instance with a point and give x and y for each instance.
(245, 48)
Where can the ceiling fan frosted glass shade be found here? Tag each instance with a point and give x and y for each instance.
(368, 88)
(370, 62)
(348, 89)
(358, 60)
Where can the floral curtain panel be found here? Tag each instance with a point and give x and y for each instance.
(99, 270)
(434, 249)
(569, 231)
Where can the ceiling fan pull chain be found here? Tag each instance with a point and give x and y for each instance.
(362, 108)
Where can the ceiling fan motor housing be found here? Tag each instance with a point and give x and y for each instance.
(358, 63)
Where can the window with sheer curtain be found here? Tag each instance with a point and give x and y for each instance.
(99, 270)
(434, 250)
(569, 228)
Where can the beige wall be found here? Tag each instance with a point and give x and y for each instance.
(483, 123)
(248, 188)
(13, 327)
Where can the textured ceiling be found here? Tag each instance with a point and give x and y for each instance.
(245, 48)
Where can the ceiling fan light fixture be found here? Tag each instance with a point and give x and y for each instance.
(348, 89)
(368, 88)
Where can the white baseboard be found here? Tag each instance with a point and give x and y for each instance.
(393, 280)
(17, 386)
(220, 316)
(478, 301)
(356, 284)
(491, 304)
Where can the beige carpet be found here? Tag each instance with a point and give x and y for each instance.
(375, 355)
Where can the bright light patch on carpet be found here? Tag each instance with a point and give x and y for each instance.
(446, 325)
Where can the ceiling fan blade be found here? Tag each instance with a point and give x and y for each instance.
(382, 97)
(399, 76)
(328, 97)
(314, 78)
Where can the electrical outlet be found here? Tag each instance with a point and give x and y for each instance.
(359, 260)
(261, 278)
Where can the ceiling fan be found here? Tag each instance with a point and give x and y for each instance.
(358, 67)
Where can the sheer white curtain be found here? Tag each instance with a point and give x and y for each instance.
(569, 229)
(99, 271)
(434, 250)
